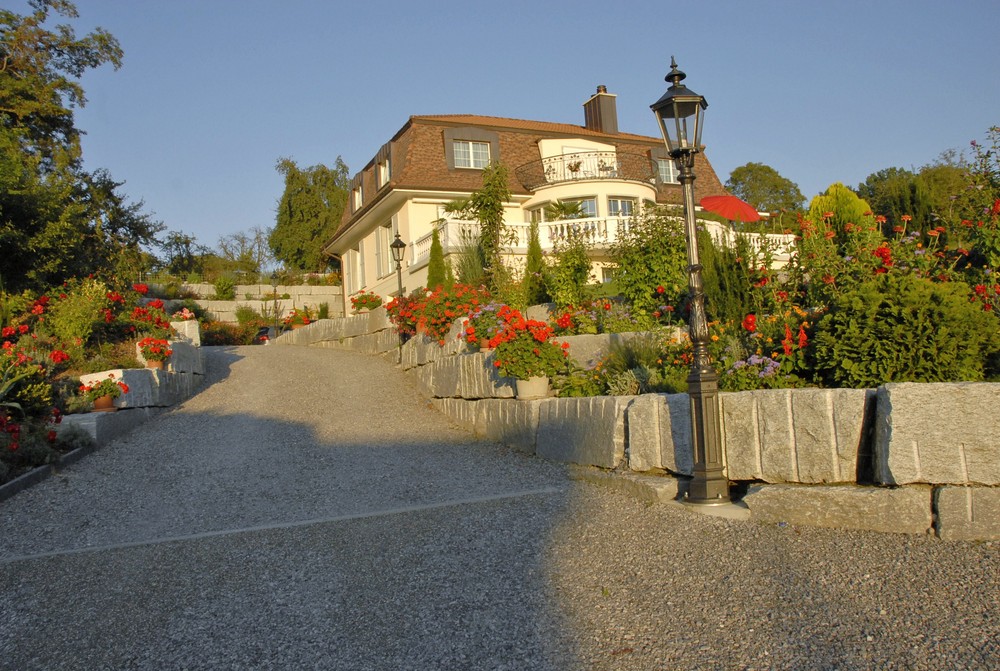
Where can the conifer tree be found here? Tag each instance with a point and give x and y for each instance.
(534, 286)
(435, 265)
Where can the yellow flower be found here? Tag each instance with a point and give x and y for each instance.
(714, 338)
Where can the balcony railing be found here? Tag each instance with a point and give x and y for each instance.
(599, 232)
(455, 234)
(585, 166)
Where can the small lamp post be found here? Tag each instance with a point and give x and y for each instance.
(274, 295)
(398, 248)
(679, 113)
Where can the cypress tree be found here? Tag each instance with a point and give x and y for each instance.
(534, 287)
(435, 265)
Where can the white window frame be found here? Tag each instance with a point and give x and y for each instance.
(355, 270)
(466, 155)
(614, 211)
(666, 171)
(357, 198)
(384, 173)
(384, 265)
(588, 213)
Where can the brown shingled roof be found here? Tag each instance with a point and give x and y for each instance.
(523, 124)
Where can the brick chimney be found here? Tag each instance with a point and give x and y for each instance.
(600, 113)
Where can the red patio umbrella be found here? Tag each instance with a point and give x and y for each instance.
(730, 207)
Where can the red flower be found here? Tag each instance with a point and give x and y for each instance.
(141, 288)
(660, 289)
(787, 342)
(750, 322)
(803, 338)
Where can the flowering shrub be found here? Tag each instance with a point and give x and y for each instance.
(401, 314)
(579, 319)
(155, 349)
(436, 311)
(106, 387)
(525, 349)
(151, 318)
(365, 301)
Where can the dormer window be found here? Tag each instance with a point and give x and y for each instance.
(470, 148)
(470, 154)
(667, 171)
(357, 198)
(383, 173)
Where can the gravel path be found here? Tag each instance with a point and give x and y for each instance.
(309, 510)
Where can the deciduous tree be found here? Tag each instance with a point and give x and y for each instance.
(765, 189)
(309, 212)
(62, 221)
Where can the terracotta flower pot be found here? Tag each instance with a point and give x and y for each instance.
(155, 365)
(104, 404)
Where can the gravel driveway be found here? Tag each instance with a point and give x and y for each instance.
(309, 510)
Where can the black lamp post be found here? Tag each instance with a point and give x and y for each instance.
(398, 248)
(274, 294)
(680, 115)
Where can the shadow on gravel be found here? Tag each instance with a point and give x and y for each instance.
(206, 540)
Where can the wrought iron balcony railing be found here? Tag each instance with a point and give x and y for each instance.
(585, 166)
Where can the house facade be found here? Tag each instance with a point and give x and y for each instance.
(433, 160)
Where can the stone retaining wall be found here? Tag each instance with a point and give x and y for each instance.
(150, 391)
(908, 458)
(261, 299)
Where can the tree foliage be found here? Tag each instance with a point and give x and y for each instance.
(534, 285)
(309, 212)
(246, 251)
(841, 204)
(487, 206)
(765, 189)
(436, 275)
(652, 254)
(896, 192)
(63, 221)
(38, 69)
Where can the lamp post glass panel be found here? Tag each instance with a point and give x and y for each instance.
(274, 295)
(680, 115)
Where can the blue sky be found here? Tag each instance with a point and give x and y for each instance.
(213, 92)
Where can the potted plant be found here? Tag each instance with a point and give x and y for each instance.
(526, 352)
(297, 318)
(365, 301)
(154, 351)
(482, 326)
(103, 393)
